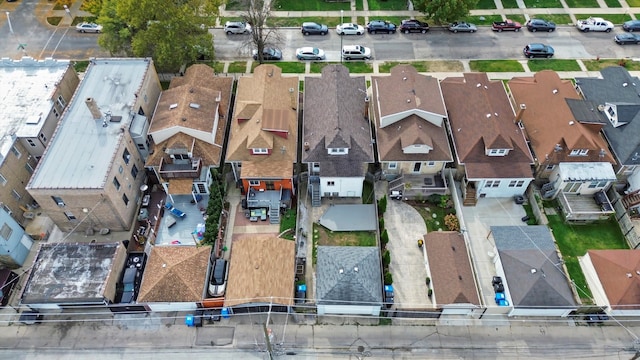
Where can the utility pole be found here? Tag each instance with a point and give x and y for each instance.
(342, 35)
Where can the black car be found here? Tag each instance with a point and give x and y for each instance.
(311, 28)
(534, 25)
(129, 285)
(631, 25)
(627, 39)
(409, 26)
(537, 50)
(268, 54)
(381, 26)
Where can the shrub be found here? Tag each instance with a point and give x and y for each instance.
(430, 293)
(388, 279)
(451, 222)
(382, 205)
(386, 259)
(381, 224)
(434, 198)
(444, 201)
(384, 238)
(428, 281)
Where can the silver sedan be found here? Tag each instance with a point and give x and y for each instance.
(310, 53)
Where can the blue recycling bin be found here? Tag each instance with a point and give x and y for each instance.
(499, 297)
(189, 320)
(225, 313)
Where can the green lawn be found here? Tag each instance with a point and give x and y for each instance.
(559, 19)
(308, 5)
(387, 5)
(477, 20)
(485, 4)
(613, 3)
(237, 67)
(331, 22)
(633, 3)
(582, 3)
(496, 66)
(288, 67)
(358, 67)
(614, 18)
(595, 65)
(576, 240)
(518, 18)
(543, 4)
(509, 4)
(529, 211)
(288, 221)
(316, 67)
(359, 5)
(553, 64)
(432, 214)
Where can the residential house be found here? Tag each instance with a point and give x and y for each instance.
(491, 149)
(613, 278)
(348, 280)
(74, 275)
(34, 95)
(16, 245)
(337, 138)
(535, 279)
(263, 139)
(90, 175)
(452, 279)
(411, 137)
(259, 279)
(562, 128)
(188, 131)
(617, 96)
(175, 278)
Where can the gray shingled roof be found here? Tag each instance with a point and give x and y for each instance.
(625, 139)
(586, 111)
(334, 117)
(350, 287)
(532, 267)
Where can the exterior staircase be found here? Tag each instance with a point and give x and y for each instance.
(274, 214)
(314, 188)
(632, 199)
(470, 196)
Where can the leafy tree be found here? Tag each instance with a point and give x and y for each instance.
(382, 205)
(261, 36)
(445, 11)
(384, 238)
(172, 34)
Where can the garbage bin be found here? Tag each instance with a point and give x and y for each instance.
(189, 320)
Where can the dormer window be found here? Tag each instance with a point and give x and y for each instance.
(260, 151)
(337, 151)
(579, 152)
(497, 152)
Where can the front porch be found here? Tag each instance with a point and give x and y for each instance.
(416, 186)
(585, 208)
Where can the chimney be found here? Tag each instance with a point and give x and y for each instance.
(93, 108)
(366, 107)
(306, 146)
(523, 107)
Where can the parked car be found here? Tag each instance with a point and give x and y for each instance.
(594, 24)
(356, 52)
(627, 39)
(8, 279)
(631, 25)
(311, 28)
(268, 54)
(381, 26)
(236, 27)
(218, 283)
(462, 27)
(411, 25)
(309, 53)
(534, 25)
(89, 27)
(538, 50)
(507, 25)
(349, 29)
(129, 285)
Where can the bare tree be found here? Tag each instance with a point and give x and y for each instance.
(261, 36)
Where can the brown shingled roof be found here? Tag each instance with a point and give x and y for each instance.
(192, 97)
(548, 119)
(175, 274)
(405, 105)
(262, 269)
(267, 105)
(613, 268)
(481, 116)
(451, 273)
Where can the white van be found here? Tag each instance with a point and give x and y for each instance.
(356, 52)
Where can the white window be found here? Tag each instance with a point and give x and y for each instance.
(431, 163)
(579, 152)
(61, 101)
(492, 183)
(331, 183)
(6, 231)
(337, 151)
(16, 195)
(497, 152)
(254, 182)
(3, 180)
(16, 152)
(260, 151)
(392, 166)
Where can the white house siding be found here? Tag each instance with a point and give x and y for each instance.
(342, 186)
(593, 281)
(349, 310)
(555, 312)
(503, 189)
(634, 180)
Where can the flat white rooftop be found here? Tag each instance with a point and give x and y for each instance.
(27, 86)
(82, 149)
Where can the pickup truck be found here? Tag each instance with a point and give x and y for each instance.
(594, 24)
(507, 25)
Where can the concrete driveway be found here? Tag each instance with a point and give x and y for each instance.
(405, 226)
(477, 221)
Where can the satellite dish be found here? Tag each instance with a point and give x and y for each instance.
(601, 107)
(144, 187)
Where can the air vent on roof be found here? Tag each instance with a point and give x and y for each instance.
(625, 84)
(173, 106)
(555, 91)
(194, 106)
